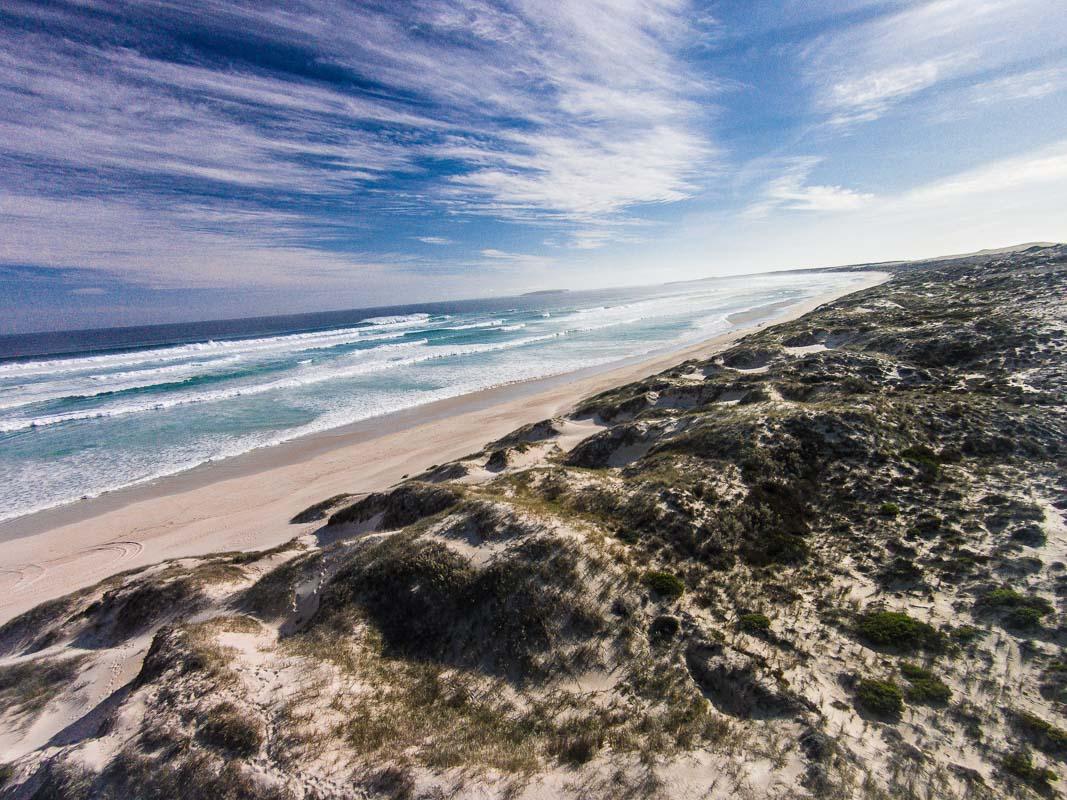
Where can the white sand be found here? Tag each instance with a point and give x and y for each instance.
(245, 502)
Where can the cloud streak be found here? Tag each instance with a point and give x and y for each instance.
(862, 72)
(790, 191)
(569, 113)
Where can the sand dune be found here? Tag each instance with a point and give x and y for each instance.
(245, 503)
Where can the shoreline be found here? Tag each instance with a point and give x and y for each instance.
(245, 502)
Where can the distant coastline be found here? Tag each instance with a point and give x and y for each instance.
(243, 502)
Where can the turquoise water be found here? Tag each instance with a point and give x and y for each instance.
(98, 417)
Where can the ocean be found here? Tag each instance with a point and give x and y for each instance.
(86, 412)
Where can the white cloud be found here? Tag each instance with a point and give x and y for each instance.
(566, 112)
(89, 109)
(1032, 170)
(1030, 85)
(180, 247)
(493, 257)
(588, 174)
(869, 96)
(859, 73)
(791, 192)
(1004, 201)
(435, 240)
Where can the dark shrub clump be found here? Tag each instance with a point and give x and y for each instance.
(663, 629)
(229, 730)
(882, 698)
(895, 629)
(925, 687)
(1016, 610)
(754, 623)
(1045, 736)
(665, 584)
(1021, 765)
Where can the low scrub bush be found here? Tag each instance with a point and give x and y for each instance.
(896, 630)
(882, 698)
(924, 686)
(754, 623)
(665, 584)
(1017, 610)
(1021, 765)
(1045, 736)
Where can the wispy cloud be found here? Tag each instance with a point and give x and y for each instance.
(563, 112)
(328, 145)
(585, 176)
(1028, 85)
(179, 246)
(860, 72)
(496, 258)
(1032, 170)
(790, 191)
(867, 97)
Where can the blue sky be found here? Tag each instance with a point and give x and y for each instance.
(182, 160)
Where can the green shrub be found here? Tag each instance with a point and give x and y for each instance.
(925, 459)
(883, 698)
(965, 634)
(1046, 736)
(889, 509)
(925, 687)
(897, 630)
(665, 584)
(1009, 598)
(754, 623)
(775, 547)
(774, 517)
(1021, 765)
(1018, 610)
(1025, 618)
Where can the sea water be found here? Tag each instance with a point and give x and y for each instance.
(87, 412)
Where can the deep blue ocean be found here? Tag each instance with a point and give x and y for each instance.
(86, 412)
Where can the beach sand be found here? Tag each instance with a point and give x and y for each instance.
(246, 502)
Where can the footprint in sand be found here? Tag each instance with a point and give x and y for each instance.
(121, 657)
(19, 578)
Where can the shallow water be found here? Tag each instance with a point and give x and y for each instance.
(93, 411)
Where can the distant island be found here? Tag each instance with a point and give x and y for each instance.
(540, 292)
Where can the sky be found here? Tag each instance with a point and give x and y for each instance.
(165, 161)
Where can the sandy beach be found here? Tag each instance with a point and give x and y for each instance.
(246, 502)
